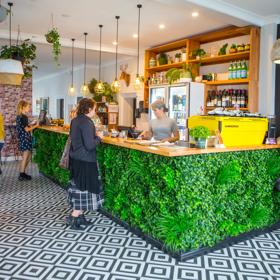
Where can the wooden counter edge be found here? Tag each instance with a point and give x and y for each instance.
(167, 151)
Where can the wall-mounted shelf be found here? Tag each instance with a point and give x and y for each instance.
(227, 82)
(165, 67)
(221, 58)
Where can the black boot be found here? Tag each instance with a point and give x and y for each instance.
(83, 221)
(75, 225)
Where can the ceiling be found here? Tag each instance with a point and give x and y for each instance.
(73, 18)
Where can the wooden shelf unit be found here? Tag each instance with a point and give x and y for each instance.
(194, 42)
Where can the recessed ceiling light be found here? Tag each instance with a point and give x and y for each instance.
(115, 43)
(161, 26)
(135, 35)
(195, 14)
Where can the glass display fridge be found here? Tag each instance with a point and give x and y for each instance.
(182, 100)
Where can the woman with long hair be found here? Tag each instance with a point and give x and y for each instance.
(85, 190)
(24, 137)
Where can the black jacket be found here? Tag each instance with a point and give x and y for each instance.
(83, 139)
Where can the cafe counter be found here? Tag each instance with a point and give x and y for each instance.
(186, 199)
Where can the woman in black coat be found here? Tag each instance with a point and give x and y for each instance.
(85, 191)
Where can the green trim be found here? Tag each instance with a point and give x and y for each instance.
(186, 202)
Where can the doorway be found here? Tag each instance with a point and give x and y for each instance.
(60, 108)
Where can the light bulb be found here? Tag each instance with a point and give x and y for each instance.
(99, 88)
(138, 83)
(116, 86)
(84, 90)
(71, 91)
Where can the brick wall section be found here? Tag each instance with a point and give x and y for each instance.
(9, 98)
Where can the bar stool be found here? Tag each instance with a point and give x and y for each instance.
(13, 143)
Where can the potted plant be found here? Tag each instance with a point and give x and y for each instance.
(223, 49)
(200, 134)
(25, 52)
(162, 59)
(53, 37)
(178, 57)
(241, 48)
(172, 75)
(107, 94)
(233, 48)
(198, 54)
(186, 73)
(247, 47)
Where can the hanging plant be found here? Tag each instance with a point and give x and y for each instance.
(53, 37)
(108, 93)
(25, 52)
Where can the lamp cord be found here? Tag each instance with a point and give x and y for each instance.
(85, 57)
(10, 27)
(117, 45)
(72, 62)
(100, 26)
(139, 6)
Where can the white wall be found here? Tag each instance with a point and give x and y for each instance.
(56, 87)
(127, 92)
(267, 70)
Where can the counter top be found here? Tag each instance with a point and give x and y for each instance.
(171, 151)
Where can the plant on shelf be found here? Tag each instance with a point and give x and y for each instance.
(241, 48)
(223, 49)
(174, 74)
(53, 37)
(108, 93)
(25, 52)
(162, 59)
(233, 48)
(198, 54)
(200, 134)
(178, 57)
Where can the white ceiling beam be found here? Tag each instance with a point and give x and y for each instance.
(39, 39)
(235, 11)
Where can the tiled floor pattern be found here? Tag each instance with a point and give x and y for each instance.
(35, 244)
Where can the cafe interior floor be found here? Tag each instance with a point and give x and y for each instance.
(36, 244)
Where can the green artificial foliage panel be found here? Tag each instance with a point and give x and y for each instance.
(273, 165)
(179, 200)
(49, 148)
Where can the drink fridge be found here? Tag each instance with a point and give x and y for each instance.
(182, 100)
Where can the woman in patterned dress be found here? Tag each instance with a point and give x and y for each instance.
(24, 137)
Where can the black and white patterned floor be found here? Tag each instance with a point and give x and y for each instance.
(35, 244)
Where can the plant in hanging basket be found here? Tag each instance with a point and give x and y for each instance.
(25, 52)
(53, 37)
(108, 93)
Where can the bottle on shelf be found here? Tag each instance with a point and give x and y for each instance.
(244, 70)
(234, 71)
(230, 71)
(238, 70)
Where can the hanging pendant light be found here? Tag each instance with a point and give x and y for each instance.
(116, 86)
(138, 84)
(84, 87)
(99, 87)
(71, 89)
(11, 70)
(275, 52)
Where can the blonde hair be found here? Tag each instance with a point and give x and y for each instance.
(22, 104)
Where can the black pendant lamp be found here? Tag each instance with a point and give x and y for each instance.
(138, 84)
(116, 84)
(84, 87)
(72, 90)
(99, 87)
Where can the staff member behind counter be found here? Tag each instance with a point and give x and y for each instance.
(162, 128)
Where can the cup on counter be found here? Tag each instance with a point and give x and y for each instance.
(123, 134)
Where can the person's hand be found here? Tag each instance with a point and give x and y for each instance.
(99, 134)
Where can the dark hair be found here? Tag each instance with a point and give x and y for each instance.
(160, 105)
(84, 105)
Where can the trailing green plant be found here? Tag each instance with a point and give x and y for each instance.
(162, 58)
(174, 74)
(229, 173)
(108, 93)
(200, 132)
(53, 38)
(177, 199)
(25, 52)
(223, 49)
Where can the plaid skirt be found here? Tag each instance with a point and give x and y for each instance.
(84, 200)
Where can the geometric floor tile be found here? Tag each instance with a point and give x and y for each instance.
(36, 244)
